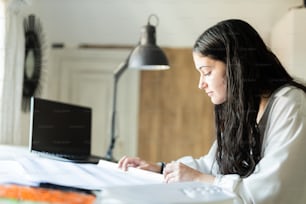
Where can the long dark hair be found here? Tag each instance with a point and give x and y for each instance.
(252, 71)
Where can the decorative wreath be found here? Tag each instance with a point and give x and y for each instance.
(33, 60)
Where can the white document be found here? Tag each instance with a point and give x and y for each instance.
(34, 170)
(12, 172)
(131, 176)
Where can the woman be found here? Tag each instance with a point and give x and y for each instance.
(259, 118)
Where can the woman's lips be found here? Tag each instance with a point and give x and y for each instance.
(209, 93)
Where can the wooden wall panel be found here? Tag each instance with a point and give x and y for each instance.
(175, 116)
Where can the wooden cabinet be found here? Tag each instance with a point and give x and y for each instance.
(175, 116)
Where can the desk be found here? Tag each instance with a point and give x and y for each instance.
(115, 185)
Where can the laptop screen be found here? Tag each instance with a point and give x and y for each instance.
(60, 128)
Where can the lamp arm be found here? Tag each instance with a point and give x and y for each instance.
(117, 73)
(120, 69)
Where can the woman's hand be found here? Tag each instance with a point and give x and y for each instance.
(178, 172)
(136, 162)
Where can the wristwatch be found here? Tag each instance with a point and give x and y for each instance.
(162, 166)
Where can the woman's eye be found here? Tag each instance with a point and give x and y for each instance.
(207, 74)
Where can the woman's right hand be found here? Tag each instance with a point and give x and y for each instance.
(136, 162)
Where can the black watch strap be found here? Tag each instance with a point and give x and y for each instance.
(162, 166)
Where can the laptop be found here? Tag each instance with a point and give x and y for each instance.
(61, 131)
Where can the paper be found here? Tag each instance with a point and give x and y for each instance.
(132, 175)
(13, 172)
(31, 170)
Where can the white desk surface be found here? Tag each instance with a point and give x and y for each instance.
(117, 186)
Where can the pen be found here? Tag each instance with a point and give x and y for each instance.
(65, 188)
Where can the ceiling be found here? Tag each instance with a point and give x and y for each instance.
(118, 22)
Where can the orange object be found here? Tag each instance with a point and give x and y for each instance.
(25, 193)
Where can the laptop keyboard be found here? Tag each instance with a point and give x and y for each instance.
(69, 158)
(65, 157)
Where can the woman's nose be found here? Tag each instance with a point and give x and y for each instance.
(202, 83)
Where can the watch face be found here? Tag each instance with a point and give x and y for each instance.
(33, 60)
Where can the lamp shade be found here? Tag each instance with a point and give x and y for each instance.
(147, 55)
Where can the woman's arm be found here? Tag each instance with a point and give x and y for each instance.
(280, 175)
(178, 172)
(137, 162)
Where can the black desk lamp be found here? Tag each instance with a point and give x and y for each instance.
(146, 56)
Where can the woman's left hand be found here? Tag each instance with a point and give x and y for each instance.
(178, 172)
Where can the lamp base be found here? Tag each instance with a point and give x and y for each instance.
(109, 157)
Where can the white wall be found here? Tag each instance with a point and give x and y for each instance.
(289, 43)
(180, 21)
(118, 22)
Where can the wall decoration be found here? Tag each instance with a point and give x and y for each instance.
(33, 63)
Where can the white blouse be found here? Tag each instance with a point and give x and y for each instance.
(280, 176)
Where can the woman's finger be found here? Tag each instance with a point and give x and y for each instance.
(120, 162)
